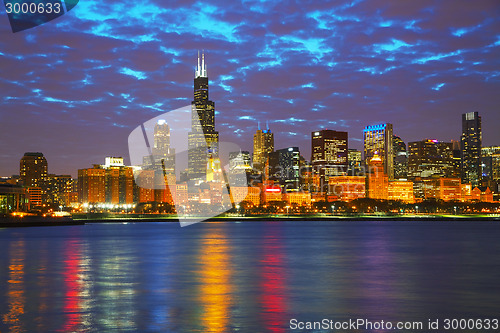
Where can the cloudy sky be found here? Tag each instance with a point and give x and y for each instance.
(74, 88)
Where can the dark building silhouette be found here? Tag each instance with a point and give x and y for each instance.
(284, 167)
(400, 158)
(470, 146)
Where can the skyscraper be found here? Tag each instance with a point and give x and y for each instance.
(163, 154)
(263, 144)
(329, 154)
(400, 158)
(284, 167)
(33, 174)
(203, 140)
(377, 182)
(354, 158)
(429, 158)
(470, 146)
(33, 170)
(378, 139)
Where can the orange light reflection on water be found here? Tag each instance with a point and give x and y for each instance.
(215, 277)
(15, 293)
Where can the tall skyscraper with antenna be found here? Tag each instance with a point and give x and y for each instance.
(203, 140)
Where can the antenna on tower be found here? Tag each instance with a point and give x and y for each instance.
(258, 125)
(267, 125)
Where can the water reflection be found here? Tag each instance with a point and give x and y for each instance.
(73, 286)
(116, 274)
(273, 281)
(15, 291)
(247, 277)
(215, 277)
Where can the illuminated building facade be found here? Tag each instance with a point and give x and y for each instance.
(446, 189)
(400, 158)
(12, 199)
(354, 158)
(430, 158)
(378, 139)
(92, 185)
(33, 170)
(59, 189)
(297, 198)
(329, 155)
(470, 146)
(347, 188)
(490, 163)
(270, 192)
(244, 193)
(377, 182)
(203, 140)
(145, 192)
(263, 145)
(111, 183)
(33, 175)
(401, 190)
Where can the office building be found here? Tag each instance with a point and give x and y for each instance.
(59, 189)
(378, 139)
(355, 162)
(470, 146)
(33, 176)
(284, 168)
(329, 155)
(430, 158)
(400, 158)
(33, 170)
(111, 183)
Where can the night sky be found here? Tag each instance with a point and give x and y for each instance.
(74, 88)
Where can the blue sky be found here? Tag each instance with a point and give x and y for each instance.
(74, 88)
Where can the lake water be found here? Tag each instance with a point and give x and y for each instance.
(245, 277)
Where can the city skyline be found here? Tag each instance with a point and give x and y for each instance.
(416, 66)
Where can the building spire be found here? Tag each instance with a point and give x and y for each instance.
(201, 71)
(258, 125)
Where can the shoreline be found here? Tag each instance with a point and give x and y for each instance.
(170, 218)
(34, 221)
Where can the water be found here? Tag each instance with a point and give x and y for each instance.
(245, 277)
